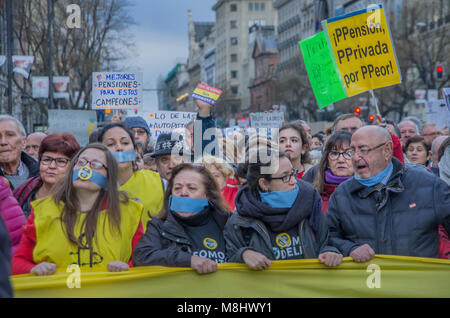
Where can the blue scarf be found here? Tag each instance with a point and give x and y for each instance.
(124, 156)
(383, 177)
(86, 173)
(186, 204)
(280, 199)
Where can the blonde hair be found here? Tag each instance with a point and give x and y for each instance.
(220, 164)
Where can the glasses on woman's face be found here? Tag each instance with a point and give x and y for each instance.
(287, 177)
(94, 164)
(334, 155)
(60, 162)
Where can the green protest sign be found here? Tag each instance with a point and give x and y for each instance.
(323, 75)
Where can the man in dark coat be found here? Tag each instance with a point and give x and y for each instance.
(386, 208)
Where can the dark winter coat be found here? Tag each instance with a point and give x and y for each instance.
(249, 225)
(401, 218)
(166, 243)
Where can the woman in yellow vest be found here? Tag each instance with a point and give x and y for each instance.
(142, 185)
(87, 221)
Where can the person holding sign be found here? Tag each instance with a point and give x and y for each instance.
(143, 185)
(189, 230)
(205, 97)
(86, 221)
(294, 141)
(277, 217)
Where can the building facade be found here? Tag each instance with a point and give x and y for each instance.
(262, 86)
(234, 63)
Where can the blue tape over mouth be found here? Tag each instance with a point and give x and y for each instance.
(186, 204)
(125, 156)
(94, 176)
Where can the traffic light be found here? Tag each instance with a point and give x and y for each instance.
(439, 72)
(371, 118)
(357, 110)
(135, 111)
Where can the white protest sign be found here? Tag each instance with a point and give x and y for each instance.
(116, 90)
(61, 87)
(420, 95)
(79, 123)
(437, 113)
(267, 120)
(40, 85)
(167, 121)
(432, 94)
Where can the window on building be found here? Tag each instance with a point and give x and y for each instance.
(263, 6)
(234, 41)
(234, 89)
(250, 6)
(234, 57)
(233, 7)
(233, 24)
(234, 74)
(256, 6)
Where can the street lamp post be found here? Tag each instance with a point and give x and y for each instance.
(427, 62)
(50, 53)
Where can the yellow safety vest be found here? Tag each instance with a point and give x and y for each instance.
(52, 244)
(146, 186)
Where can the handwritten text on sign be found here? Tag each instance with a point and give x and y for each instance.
(116, 90)
(322, 73)
(206, 93)
(167, 121)
(363, 50)
(267, 120)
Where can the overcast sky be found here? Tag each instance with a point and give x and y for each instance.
(161, 37)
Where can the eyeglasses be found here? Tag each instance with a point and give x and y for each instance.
(348, 154)
(93, 164)
(288, 177)
(60, 162)
(365, 151)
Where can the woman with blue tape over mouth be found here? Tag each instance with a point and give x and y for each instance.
(86, 221)
(277, 216)
(189, 230)
(142, 185)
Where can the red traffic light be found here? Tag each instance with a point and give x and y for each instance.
(371, 117)
(357, 110)
(135, 111)
(243, 118)
(439, 68)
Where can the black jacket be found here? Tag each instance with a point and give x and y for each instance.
(400, 218)
(166, 243)
(31, 164)
(5, 262)
(249, 225)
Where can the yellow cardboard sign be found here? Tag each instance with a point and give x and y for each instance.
(363, 50)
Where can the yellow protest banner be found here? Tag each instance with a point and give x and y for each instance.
(384, 276)
(363, 50)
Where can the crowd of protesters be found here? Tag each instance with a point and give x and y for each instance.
(127, 200)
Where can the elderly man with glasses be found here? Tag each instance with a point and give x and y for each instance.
(386, 208)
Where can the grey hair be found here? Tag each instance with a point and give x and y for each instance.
(427, 125)
(22, 130)
(435, 141)
(409, 121)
